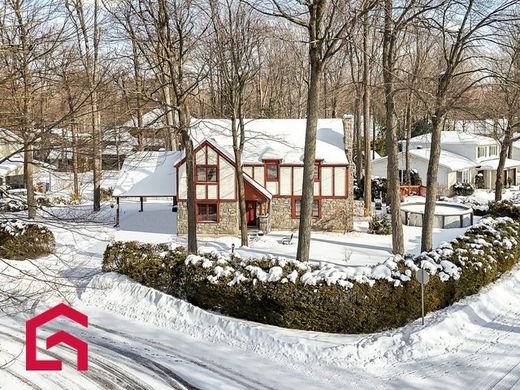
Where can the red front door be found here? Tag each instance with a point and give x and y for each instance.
(251, 213)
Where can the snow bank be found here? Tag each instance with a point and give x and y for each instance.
(445, 330)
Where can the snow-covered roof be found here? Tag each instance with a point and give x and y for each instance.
(148, 174)
(15, 162)
(454, 137)
(260, 188)
(7, 137)
(154, 119)
(475, 126)
(453, 161)
(492, 164)
(282, 139)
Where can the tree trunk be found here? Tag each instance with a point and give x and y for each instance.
(367, 188)
(505, 145)
(357, 139)
(75, 179)
(96, 150)
(184, 124)
(29, 180)
(244, 241)
(393, 183)
(431, 184)
(408, 130)
(309, 158)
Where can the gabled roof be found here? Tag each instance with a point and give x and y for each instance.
(454, 137)
(268, 139)
(148, 174)
(452, 161)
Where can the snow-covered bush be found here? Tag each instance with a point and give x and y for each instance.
(12, 205)
(507, 208)
(463, 189)
(20, 240)
(324, 297)
(148, 264)
(380, 225)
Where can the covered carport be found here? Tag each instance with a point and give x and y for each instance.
(147, 175)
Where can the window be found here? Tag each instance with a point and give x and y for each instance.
(206, 173)
(271, 171)
(207, 212)
(463, 176)
(482, 151)
(298, 206)
(493, 150)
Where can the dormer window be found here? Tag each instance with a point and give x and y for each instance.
(493, 150)
(482, 151)
(272, 171)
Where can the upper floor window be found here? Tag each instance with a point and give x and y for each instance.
(271, 171)
(493, 150)
(482, 151)
(207, 173)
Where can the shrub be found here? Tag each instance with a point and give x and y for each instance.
(380, 225)
(379, 189)
(325, 298)
(12, 205)
(506, 208)
(480, 183)
(463, 189)
(106, 194)
(20, 240)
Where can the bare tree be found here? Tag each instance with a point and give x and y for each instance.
(327, 24)
(236, 34)
(85, 19)
(462, 29)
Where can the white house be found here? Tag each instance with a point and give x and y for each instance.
(465, 157)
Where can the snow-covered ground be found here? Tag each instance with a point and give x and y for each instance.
(157, 224)
(142, 339)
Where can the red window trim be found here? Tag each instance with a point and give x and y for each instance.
(293, 208)
(266, 174)
(216, 204)
(206, 166)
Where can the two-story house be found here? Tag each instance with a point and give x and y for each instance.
(465, 158)
(273, 175)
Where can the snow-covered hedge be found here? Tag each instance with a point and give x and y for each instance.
(463, 189)
(324, 297)
(20, 240)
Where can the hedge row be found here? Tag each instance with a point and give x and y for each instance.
(21, 241)
(325, 298)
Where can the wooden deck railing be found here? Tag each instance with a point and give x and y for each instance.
(412, 190)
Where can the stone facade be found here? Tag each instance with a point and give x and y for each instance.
(228, 221)
(336, 215)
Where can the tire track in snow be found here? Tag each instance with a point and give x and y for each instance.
(117, 377)
(217, 369)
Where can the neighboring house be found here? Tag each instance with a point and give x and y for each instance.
(273, 176)
(465, 158)
(11, 170)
